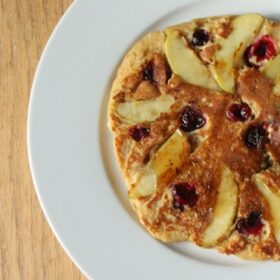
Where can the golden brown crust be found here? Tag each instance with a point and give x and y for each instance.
(218, 144)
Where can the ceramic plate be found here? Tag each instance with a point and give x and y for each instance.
(70, 148)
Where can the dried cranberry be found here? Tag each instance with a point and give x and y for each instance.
(250, 225)
(239, 112)
(200, 37)
(263, 48)
(148, 74)
(191, 119)
(246, 57)
(255, 136)
(183, 194)
(139, 132)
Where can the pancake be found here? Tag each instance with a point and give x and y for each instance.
(195, 113)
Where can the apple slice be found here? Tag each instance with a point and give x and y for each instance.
(244, 30)
(273, 199)
(272, 68)
(185, 63)
(224, 211)
(276, 87)
(144, 110)
(272, 71)
(169, 157)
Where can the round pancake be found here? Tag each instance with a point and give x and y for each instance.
(215, 181)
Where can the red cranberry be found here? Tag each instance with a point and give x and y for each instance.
(139, 132)
(191, 119)
(184, 194)
(252, 225)
(246, 57)
(255, 136)
(148, 74)
(239, 112)
(263, 48)
(200, 37)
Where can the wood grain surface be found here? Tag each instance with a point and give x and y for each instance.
(29, 250)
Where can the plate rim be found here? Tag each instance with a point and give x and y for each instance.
(28, 137)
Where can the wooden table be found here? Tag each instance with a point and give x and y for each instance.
(29, 250)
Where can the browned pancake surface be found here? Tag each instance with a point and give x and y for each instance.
(146, 75)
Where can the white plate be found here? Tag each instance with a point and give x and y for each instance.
(70, 148)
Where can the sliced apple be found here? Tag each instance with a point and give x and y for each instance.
(273, 199)
(272, 68)
(169, 157)
(224, 211)
(276, 87)
(244, 30)
(144, 110)
(185, 63)
(272, 71)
